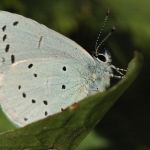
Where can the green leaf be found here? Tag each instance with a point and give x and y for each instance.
(5, 123)
(65, 130)
(94, 142)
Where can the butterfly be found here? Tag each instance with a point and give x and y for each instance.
(42, 72)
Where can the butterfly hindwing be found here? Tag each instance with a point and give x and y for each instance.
(36, 86)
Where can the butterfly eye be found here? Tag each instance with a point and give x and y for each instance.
(101, 57)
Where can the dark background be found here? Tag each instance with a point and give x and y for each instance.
(127, 125)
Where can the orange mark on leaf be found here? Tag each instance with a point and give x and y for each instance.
(74, 106)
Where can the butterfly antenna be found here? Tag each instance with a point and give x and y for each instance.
(105, 38)
(101, 30)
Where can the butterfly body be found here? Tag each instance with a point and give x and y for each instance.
(42, 72)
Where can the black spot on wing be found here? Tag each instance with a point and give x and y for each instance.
(35, 75)
(64, 68)
(12, 59)
(19, 87)
(30, 66)
(46, 113)
(45, 102)
(25, 119)
(4, 37)
(4, 28)
(24, 95)
(7, 48)
(33, 101)
(15, 23)
(63, 86)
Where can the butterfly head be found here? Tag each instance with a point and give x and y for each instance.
(104, 57)
(104, 71)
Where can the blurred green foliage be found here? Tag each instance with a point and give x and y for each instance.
(126, 126)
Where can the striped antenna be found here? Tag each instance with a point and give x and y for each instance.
(105, 38)
(102, 28)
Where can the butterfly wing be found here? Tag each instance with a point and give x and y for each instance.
(35, 88)
(22, 38)
(42, 71)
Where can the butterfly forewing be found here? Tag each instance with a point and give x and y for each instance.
(23, 38)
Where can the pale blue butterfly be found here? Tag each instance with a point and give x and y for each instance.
(42, 72)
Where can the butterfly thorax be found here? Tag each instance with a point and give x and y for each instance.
(100, 79)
